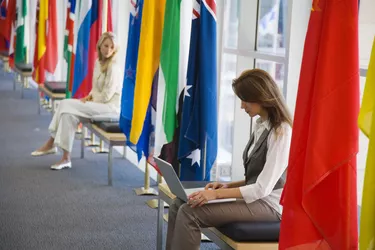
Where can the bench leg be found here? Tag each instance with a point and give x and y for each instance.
(92, 142)
(38, 101)
(124, 153)
(160, 222)
(110, 163)
(101, 149)
(85, 133)
(26, 82)
(82, 147)
(22, 87)
(14, 81)
(7, 68)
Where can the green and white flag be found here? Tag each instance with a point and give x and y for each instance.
(68, 42)
(173, 69)
(22, 32)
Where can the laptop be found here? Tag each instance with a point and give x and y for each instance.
(175, 184)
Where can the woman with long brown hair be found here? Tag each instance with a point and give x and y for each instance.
(265, 160)
(104, 98)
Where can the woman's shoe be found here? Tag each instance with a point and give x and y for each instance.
(47, 152)
(67, 164)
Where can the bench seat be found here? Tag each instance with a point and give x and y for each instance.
(110, 127)
(24, 67)
(56, 87)
(113, 118)
(24, 71)
(53, 96)
(252, 231)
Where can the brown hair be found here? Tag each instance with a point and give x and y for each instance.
(257, 86)
(105, 62)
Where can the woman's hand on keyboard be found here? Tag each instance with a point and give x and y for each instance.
(216, 185)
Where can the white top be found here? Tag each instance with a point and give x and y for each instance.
(107, 87)
(276, 163)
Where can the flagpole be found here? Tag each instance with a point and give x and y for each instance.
(204, 157)
(101, 148)
(146, 190)
(105, 15)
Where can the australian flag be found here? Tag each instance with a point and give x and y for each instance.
(198, 135)
(127, 98)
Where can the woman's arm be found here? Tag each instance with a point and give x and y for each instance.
(217, 185)
(236, 184)
(231, 190)
(112, 80)
(90, 96)
(276, 163)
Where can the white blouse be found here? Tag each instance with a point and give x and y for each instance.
(107, 87)
(276, 163)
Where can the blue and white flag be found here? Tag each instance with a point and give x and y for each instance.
(199, 116)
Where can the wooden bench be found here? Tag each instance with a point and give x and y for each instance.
(216, 235)
(55, 92)
(24, 71)
(4, 56)
(110, 134)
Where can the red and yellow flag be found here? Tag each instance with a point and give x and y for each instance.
(46, 47)
(40, 41)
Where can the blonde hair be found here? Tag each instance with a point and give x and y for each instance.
(106, 62)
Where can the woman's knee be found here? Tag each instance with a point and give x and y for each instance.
(176, 204)
(65, 116)
(186, 211)
(66, 104)
(63, 104)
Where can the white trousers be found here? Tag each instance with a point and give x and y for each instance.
(69, 113)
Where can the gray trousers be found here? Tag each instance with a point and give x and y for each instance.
(184, 222)
(69, 113)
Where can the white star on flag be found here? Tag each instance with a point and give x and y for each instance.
(195, 157)
(187, 90)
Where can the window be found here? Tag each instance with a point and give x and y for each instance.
(226, 113)
(271, 26)
(228, 71)
(231, 24)
(366, 31)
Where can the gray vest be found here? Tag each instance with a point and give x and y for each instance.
(254, 163)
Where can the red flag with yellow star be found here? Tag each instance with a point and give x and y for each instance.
(320, 197)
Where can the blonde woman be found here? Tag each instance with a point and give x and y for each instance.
(105, 97)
